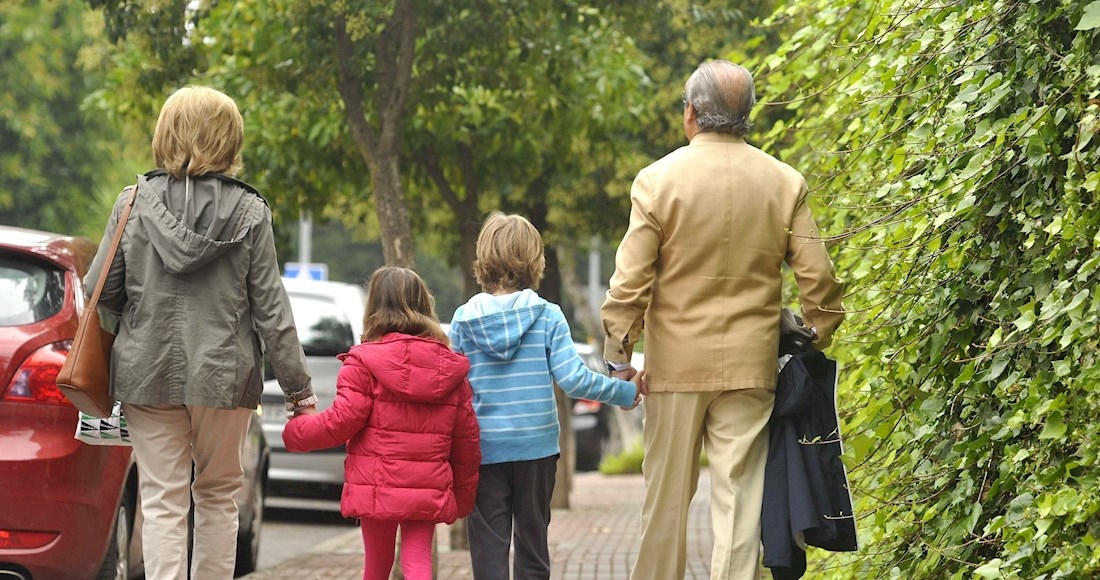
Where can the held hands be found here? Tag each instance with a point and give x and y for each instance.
(638, 378)
(310, 410)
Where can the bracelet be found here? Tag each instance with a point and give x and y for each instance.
(301, 403)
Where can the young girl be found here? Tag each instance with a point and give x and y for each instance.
(403, 407)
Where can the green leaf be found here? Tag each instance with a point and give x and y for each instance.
(1027, 316)
(991, 569)
(999, 365)
(1055, 428)
(1091, 18)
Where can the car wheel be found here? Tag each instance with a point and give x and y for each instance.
(116, 564)
(248, 538)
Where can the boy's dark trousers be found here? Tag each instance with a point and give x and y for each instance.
(519, 491)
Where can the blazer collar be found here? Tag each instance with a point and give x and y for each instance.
(713, 137)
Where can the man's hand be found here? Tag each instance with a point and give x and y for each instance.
(643, 387)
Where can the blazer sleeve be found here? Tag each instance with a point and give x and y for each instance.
(818, 286)
(631, 285)
(465, 457)
(337, 424)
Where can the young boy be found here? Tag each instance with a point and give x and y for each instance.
(519, 346)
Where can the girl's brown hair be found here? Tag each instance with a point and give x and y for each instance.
(398, 300)
(510, 254)
(199, 131)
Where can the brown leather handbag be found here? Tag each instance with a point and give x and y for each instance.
(85, 378)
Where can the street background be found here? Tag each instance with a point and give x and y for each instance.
(595, 539)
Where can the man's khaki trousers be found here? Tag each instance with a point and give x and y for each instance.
(166, 440)
(733, 428)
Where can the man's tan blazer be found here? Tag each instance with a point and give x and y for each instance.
(711, 225)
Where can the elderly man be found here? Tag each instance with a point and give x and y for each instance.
(711, 225)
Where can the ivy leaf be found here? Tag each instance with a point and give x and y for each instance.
(991, 569)
(999, 365)
(1091, 18)
(1027, 316)
(1055, 428)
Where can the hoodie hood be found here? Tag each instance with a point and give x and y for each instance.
(190, 222)
(496, 324)
(421, 369)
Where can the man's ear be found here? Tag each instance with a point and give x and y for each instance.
(690, 127)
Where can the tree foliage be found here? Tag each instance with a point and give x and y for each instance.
(53, 152)
(521, 113)
(955, 147)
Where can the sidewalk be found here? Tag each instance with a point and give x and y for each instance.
(596, 539)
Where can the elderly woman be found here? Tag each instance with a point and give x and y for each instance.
(194, 292)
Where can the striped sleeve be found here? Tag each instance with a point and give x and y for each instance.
(573, 376)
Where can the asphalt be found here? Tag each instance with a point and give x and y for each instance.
(596, 538)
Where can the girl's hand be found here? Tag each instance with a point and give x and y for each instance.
(310, 410)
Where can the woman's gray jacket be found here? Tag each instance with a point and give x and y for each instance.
(197, 286)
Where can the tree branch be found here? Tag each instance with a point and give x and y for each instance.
(350, 84)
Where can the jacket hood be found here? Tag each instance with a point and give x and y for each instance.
(191, 222)
(496, 324)
(421, 369)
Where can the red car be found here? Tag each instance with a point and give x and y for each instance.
(67, 509)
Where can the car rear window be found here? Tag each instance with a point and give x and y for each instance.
(31, 290)
(323, 328)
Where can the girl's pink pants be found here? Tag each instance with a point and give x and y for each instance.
(379, 538)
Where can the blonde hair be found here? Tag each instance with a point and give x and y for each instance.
(398, 300)
(199, 131)
(510, 254)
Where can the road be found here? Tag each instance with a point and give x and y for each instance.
(293, 526)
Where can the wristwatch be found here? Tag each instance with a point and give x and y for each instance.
(614, 367)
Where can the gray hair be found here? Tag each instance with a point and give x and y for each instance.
(722, 94)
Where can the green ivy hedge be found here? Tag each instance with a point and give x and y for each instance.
(952, 149)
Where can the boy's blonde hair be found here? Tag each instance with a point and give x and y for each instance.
(510, 254)
(398, 300)
(199, 131)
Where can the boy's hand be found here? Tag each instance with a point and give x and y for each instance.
(640, 389)
(626, 374)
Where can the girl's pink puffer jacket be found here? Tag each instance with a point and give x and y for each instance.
(404, 408)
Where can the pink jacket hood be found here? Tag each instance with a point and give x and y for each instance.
(418, 368)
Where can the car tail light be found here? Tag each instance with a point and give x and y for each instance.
(584, 407)
(36, 379)
(23, 540)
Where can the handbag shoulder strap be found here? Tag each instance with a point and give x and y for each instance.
(113, 249)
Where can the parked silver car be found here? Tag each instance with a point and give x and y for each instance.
(329, 318)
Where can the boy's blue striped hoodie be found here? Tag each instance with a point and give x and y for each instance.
(519, 346)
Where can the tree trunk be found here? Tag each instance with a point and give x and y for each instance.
(464, 207)
(574, 288)
(563, 480)
(469, 228)
(398, 245)
(380, 145)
